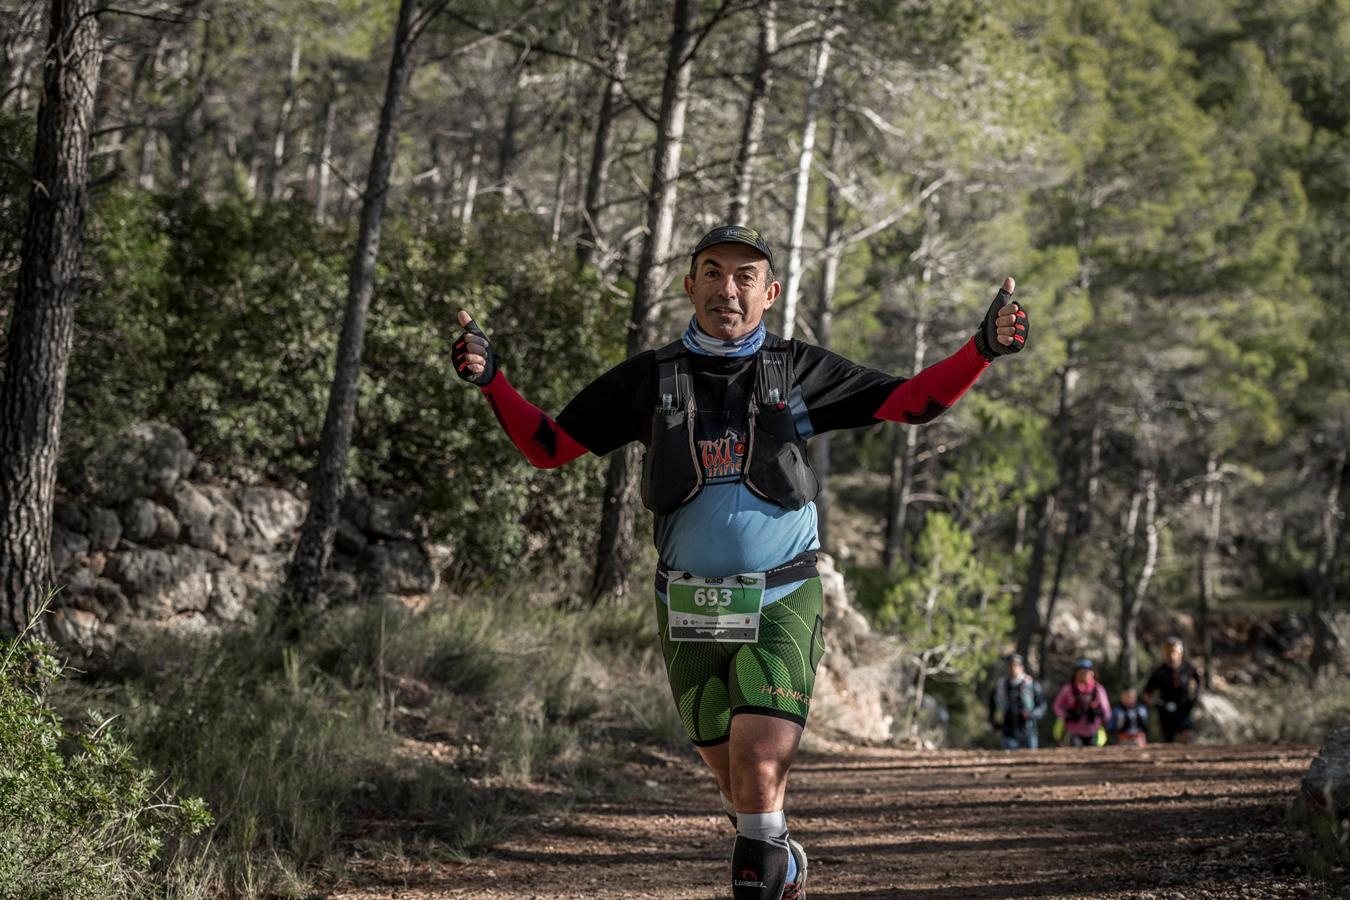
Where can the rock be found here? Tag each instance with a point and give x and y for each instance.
(1324, 801)
(855, 691)
(79, 579)
(229, 595)
(104, 528)
(356, 506)
(67, 547)
(138, 520)
(1221, 721)
(392, 518)
(109, 596)
(397, 567)
(846, 626)
(349, 539)
(264, 573)
(226, 519)
(167, 528)
(71, 625)
(70, 516)
(146, 522)
(146, 460)
(158, 583)
(143, 574)
(270, 515)
(194, 511)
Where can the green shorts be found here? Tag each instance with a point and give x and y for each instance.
(712, 682)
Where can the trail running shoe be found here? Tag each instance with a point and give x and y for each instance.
(796, 890)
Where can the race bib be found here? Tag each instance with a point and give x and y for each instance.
(725, 610)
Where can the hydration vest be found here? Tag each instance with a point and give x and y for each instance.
(775, 466)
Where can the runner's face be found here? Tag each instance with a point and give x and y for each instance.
(1174, 656)
(1084, 677)
(730, 288)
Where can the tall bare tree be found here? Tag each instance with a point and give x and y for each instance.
(611, 95)
(330, 476)
(614, 553)
(752, 131)
(42, 323)
(792, 283)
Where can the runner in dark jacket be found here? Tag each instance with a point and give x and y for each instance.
(1174, 688)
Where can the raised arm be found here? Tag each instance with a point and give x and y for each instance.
(937, 388)
(532, 430)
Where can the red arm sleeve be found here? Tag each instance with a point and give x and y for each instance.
(934, 390)
(531, 429)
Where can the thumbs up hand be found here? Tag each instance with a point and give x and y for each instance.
(471, 355)
(1005, 327)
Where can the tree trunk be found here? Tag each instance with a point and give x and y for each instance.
(829, 280)
(274, 182)
(323, 157)
(598, 176)
(615, 548)
(42, 320)
(1212, 499)
(316, 536)
(561, 179)
(471, 183)
(793, 277)
(18, 55)
(902, 463)
(1328, 567)
(1132, 599)
(145, 176)
(192, 121)
(1029, 611)
(1028, 614)
(752, 131)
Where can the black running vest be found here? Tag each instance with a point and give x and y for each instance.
(776, 467)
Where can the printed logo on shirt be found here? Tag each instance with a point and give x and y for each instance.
(722, 457)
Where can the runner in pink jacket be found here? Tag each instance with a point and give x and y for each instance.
(1082, 708)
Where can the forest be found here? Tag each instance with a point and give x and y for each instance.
(256, 221)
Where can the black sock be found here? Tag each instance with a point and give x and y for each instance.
(758, 869)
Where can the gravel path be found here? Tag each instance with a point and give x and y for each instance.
(1164, 822)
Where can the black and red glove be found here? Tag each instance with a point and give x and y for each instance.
(473, 341)
(986, 338)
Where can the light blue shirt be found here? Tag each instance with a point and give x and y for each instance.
(726, 530)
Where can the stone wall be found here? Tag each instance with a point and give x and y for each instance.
(149, 547)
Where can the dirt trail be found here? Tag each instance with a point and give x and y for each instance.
(1165, 822)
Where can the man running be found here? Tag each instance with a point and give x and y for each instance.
(1174, 687)
(724, 414)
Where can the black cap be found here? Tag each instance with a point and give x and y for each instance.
(734, 234)
(1014, 658)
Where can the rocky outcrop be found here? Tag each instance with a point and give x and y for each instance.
(149, 548)
(859, 687)
(1324, 801)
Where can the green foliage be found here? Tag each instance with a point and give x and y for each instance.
(947, 604)
(385, 727)
(79, 815)
(223, 319)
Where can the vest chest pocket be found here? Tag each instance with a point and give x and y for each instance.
(778, 470)
(671, 476)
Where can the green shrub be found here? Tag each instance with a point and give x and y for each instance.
(222, 319)
(386, 729)
(79, 816)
